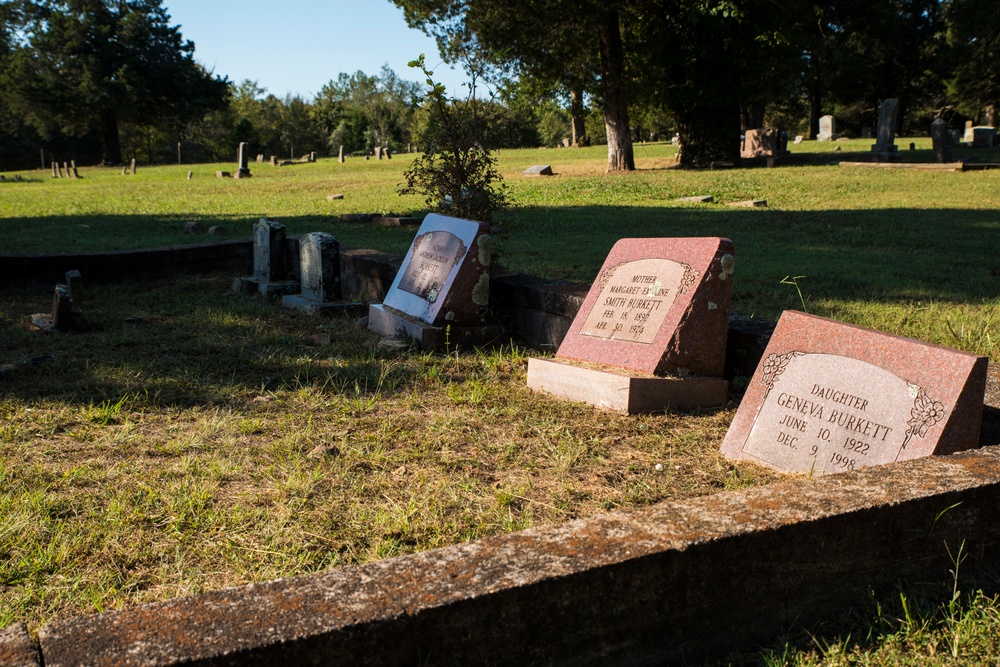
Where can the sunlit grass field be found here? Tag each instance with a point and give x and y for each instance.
(197, 439)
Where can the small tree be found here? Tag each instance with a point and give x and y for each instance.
(457, 172)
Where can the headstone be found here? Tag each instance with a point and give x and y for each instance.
(17, 178)
(699, 199)
(441, 294)
(55, 171)
(274, 160)
(827, 129)
(967, 137)
(125, 170)
(387, 152)
(651, 334)
(61, 317)
(982, 137)
(829, 397)
(334, 197)
(760, 143)
(222, 174)
(190, 175)
(942, 140)
(340, 156)
(271, 270)
(566, 142)
(913, 146)
(132, 167)
(72, 164)
(319, 267)
(312, 156)
(243, 171)
(884, 150)
(798, 139)
(260, 158)
(538, 170)
(749, 203)
(74, 285)
(378, 152)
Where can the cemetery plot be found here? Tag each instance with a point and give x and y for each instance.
(829, 397)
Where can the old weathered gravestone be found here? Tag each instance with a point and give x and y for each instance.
(131, 168)
(829, 397)
(340, 155)
(243, 170)
(885, 150)
(651, 334)
(982, 137)
(61, 317)
(827, 129)
(319, 270)
(55, 171)
(760, 143)
(967, 137)
(538, 170)
(272, 273)
(942, 140)
(441, 293)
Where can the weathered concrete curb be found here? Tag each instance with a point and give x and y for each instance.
(16, 648)
(677, 581)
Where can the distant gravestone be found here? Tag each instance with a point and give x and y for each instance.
(829, 397)
(271, 270)
(319, 270)
(190, 175)
(55, 171)
(131, 169)
(340, 155)
(260, 158)
(441, 294)
(967, 137)
(222, 174)
(760, 143)
(798, 139)
(885, 150)
(942, 140)
(378, 152)
(274, 160)
(538, 170)
(651, 334)
(697, 199)
(243, 170)
(982, 137)
(827, 129)
(388, 153)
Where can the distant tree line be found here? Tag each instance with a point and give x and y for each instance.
(103, 81)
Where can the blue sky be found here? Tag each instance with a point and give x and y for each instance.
(296, 46)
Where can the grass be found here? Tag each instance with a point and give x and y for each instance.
(200, 440)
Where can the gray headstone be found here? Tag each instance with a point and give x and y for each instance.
(55, 171)
(319, 256)
(132, 167)
(378, 152)
(827, 128)
(885, 149)
(982, 137)
(242, 156)
(62, 309)
(340, 157)
(269, 251)
(942, 140)
(538, 170)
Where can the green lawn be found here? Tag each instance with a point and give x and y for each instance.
(199, 439)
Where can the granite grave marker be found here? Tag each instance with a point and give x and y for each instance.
(651, 334)
(829, 397)
(319, 271)
(885, 150)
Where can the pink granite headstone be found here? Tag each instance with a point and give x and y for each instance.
(659, 306)
(829, 397)
(445, 278)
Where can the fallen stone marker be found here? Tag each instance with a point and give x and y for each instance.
(334, 197)
(651, 334)
(699, 199)
(538, 170)
(829, 397)
(750, 203)
(440, 296)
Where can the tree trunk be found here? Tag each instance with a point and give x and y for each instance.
(576, 111)
(815, 98)
(616, 124)
(111, 146)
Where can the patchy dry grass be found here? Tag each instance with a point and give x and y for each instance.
(214, 440)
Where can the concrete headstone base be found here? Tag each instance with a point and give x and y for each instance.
(622, 390)
(388, 322)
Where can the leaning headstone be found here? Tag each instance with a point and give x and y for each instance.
(243, 170)
(942, 140)
(190, 175)
(132, 167)
(538, 170)
(651, 334)
(827, 129)
(340, 155)
(59, 166)
(72, 165)
(798, 139)
(319, 268)
(829, 397)
(441, 294)
(61, 317)
(884, 150)
(271, 270)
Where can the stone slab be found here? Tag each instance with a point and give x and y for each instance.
(444, 278)
(682, 582)
(658, 306)
(398, 221)
(16, 647)
(700, 199)
(388, 322)
(324, 308)
(618, 390)
(538, 170)
(829, 397)
(749, 203)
